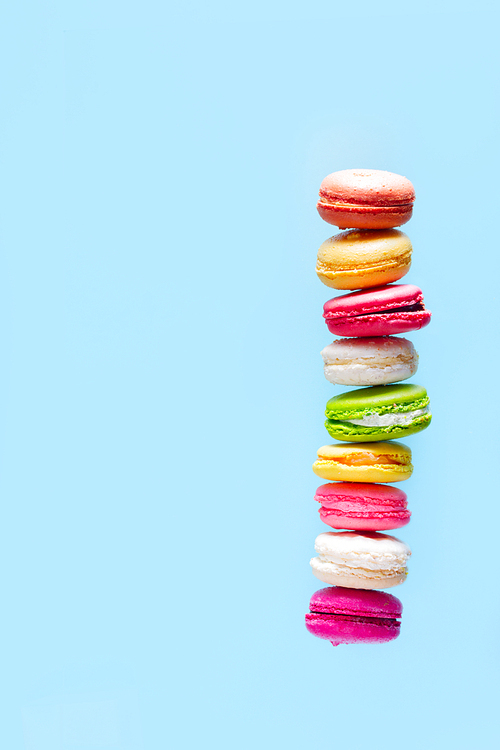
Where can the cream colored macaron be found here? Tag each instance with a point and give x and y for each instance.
(385, 461)
(360, 560)
(364, 258)
(369, 361)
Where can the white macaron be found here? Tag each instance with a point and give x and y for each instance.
(360, 560)
(369, 361)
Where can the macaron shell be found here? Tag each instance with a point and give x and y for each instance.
(387, 324)
(375, 551)
(336, 471)
(371, 522)
(364, 217)
(349, 630)
(383, 399)
(369, 187)
(360, 259)
(379, 495)
(354, 581)
(370, 462)
(354, 433)
(363, 375)
(336, 600)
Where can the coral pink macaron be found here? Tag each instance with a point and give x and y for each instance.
(360, 506)
(365, 199)
(381, 311)
(342, 615)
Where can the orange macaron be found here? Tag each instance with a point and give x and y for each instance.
(365, 199)
(364, 258)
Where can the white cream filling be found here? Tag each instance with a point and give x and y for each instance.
(329, 567)
(383, 561)
(387, 420)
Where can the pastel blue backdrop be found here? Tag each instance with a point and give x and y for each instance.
(162, 389)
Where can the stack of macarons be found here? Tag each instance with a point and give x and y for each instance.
(358, 500)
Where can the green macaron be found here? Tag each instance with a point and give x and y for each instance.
(380, 413)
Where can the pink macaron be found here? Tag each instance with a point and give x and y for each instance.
(366, 199)
(360, 506)
(342, 615)
(381, 311)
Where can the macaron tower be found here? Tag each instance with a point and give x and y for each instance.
(357, 502)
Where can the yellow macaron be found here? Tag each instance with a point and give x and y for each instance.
(359, 259)
(364, 462)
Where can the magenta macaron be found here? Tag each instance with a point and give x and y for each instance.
(342, 615)
(360, 506)
(381, 311)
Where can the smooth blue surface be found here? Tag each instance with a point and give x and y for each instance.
(162, 387)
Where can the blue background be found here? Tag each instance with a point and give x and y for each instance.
(162, 387)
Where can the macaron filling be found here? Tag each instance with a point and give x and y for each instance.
(326, 566)
(389, 361)
(367, 459)
(346, 629)
(416, 307)
(356, 618)
(327, 201)
(386, 420)
(348, 506)
(326, 268)
(385, 563)
(327, 512)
